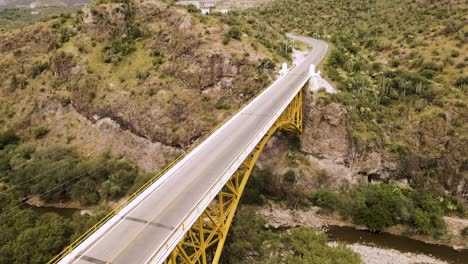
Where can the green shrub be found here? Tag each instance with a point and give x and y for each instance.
(234, 32)
(376, 218)
(307, 246)
(376, 67)
(151, 91)
(430, 66)
(322, 177)
(461, 81)
(326, 199)
(402, 149)
(158, 61)
(142, 75)
(18, 82)
(267, 64)
(40, 132)
(8, 137)
(115, 51)
(395, 63)
(428, 73)
(261, 182)
(92, 94)
(140, 180)
(220, 105)
(336, 58)
(454, 53)
(38, 68)
(289, 177)
(192, 9)
(38, 239)
(294, 141)
(464, 232)
(118, 184)
(379, 206)
(157, 53)
(427, 215)
(427, 223)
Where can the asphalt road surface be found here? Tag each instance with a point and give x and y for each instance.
(144, 229)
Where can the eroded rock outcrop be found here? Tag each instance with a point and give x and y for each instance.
(326, 133)
(328, 141)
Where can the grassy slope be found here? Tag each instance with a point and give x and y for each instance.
(55, 80)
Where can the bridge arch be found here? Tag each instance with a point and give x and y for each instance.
(204, 241)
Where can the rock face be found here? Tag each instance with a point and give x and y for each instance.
(438, 150)
(326, 132)
(327, 140)
(283, 218)
(430, 152)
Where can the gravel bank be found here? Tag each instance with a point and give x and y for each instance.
(375, 255)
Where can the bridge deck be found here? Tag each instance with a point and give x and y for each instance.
(144, 230)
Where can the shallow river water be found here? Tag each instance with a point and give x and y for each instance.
(349, 235)
(65, 212)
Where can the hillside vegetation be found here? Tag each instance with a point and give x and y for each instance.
(155, 70)
(19, 17)
(53, 175)
(20, 13)
(400, 69)
(90, 101)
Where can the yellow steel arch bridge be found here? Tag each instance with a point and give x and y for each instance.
(184, 213)
(211, 228)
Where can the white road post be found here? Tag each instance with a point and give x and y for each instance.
(314, 78)
(317, 82)
(284, 69)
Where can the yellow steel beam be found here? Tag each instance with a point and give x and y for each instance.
(204, 241)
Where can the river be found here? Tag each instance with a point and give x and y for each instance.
(65, 212)
(351, 235)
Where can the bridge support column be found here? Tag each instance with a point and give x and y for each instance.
(204, 241)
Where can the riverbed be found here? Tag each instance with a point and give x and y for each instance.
(371, 246)
(401, 244)
(280, 218)
(65, 212)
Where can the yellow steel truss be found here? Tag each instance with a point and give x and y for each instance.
(204, 241)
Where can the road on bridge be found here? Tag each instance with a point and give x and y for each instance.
(142, 230)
